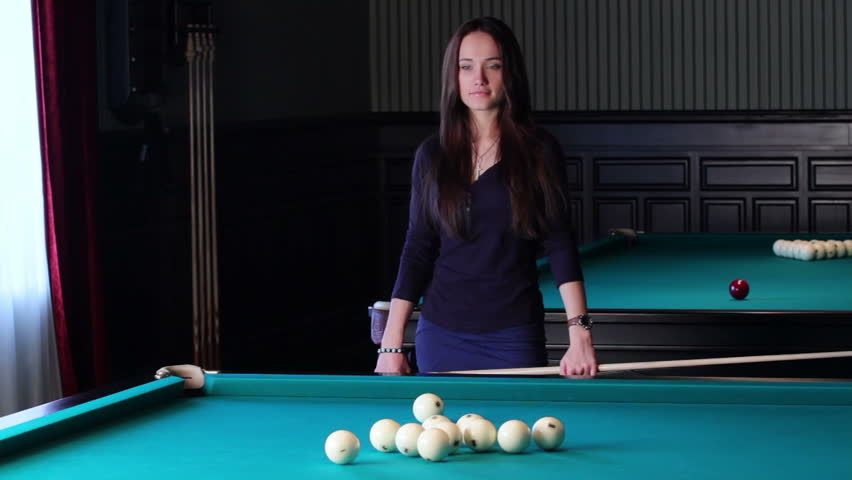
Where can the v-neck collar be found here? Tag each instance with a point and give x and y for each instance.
(487, 170)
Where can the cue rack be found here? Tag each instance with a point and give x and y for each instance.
(200, 52)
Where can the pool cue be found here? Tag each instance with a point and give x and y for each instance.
(205, 291)
(697, 362)
(214, 248)
(201, 106)
(193, 159)
(201, 44)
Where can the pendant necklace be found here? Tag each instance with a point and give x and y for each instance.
(480, 157)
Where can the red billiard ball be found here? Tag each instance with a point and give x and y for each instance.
(739, 289)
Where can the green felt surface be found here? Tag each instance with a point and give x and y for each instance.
(263, 426)
(693, 271)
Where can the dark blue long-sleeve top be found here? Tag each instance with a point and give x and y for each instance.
(489, 281)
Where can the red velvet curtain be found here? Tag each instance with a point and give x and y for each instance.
(65, 55)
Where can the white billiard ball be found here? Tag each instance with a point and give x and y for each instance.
(801, 246)
(383, 435)
(796, 250)
(426, 405)
(479, 435)
(513, 436)
(406, 438)
(808, 253)
(548, 433)
(839, 248)
(342, 446)
(787, 249)
(776, 247)
(465, 419)
(830, 251)
(434, 444)
(434, 420)
(819, 251)
(452, 430)
(848, 244)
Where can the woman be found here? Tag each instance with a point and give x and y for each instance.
(487, 195)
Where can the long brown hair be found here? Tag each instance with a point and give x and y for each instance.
(537, 200)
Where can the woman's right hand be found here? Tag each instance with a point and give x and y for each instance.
(393, 364)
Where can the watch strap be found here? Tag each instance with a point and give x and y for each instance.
(583, 320)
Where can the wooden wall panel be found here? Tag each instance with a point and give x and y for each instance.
(641, 174)
(831, 215)
(667, 215)
(617, 178)
(748, 174)
(574, 173)
(830, 173)
(775, 215)
(723, 215)
(610, 213)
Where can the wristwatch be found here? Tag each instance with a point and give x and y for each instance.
(583, 320)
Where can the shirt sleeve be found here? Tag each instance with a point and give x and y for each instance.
(422, 240)
(559, 243)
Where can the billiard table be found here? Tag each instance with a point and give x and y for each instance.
(657, 296)
(274, 426)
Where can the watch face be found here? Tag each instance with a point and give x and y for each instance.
(585, 321)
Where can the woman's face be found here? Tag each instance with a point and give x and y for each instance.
(480, 72)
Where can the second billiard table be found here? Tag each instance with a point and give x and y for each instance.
(691, 273)
(662, 296)
(274, 426)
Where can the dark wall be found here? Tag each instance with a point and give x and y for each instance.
(283, 238)
(273, 60)
(291, 59)
(298, 225)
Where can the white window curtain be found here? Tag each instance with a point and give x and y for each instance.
(29, 369)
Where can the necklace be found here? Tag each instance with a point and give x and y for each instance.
(480, 157)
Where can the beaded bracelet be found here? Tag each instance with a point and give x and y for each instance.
(391, 350)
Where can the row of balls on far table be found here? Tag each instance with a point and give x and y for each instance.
(436, 436)
(808, 250)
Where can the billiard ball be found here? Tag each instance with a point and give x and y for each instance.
(426, 405)
(464, 420)
(342, 446)
(513, 436)
(479, 435)
(739, 289)
(798, 245)
(383, 435)
(434, 420)
(406, 438)
(434, 444)
(548, 433)
(452, 430)
(776, 247)
(467, 418)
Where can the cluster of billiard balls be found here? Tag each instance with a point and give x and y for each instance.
(435, 436)
(808, 250)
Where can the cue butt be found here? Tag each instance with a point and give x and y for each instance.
(193, 375)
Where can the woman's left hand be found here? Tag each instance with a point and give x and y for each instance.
(580, 357)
